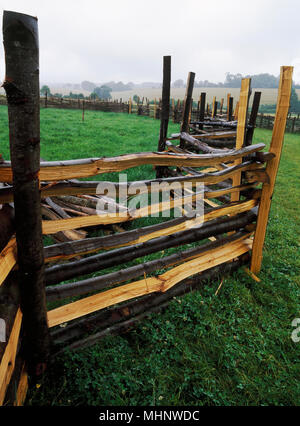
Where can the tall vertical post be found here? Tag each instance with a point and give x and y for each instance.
(83, 109)
(283, 103)
(202, 109)
(230, 110)
(20, 34)
(236, 111)
(129, 106)
(165, 110)
(213, 106)
(252, 119)
(241, 130)
(187, 105)
(221, 106)
(228, 107)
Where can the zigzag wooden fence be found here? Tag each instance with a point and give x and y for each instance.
(237, 187)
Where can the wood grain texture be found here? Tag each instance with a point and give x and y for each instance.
(148, 285)
(21, 45)
(241, 129)
(8, 359)
(53, 226)
(283, 103)
(8, 259)
(72, 169)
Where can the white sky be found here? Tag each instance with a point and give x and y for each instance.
(102, 40)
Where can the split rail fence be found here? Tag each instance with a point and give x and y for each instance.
(238, 185)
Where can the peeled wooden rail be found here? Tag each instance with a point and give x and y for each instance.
(53, 226)
(66, 271)
(90, 187)
(123, 318)
(161, 283)
(71, 249)
(72, 169)
(8, 259)
(102, 282)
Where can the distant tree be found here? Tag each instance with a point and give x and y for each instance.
(179, 84)
(45, 89)
(94, 96)
(119, 86)
(135, 98)
(74, 95)
(103, 92)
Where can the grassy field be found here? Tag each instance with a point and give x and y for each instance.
(231, 349)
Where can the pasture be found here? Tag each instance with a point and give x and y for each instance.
(231, 347)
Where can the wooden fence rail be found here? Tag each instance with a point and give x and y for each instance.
(236, 190)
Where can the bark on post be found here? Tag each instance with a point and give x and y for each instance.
(252, 119)
(187, 106)
(165, 110)
(202, 109)
(20, 33)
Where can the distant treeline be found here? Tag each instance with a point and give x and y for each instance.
(264, 81)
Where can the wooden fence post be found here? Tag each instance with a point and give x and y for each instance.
(46, 99)
(165, 110)
(228, 107)
(293, 125)
(187, 105)
(129, 106)
(230, 110)
(221, 106)
(283, 103)
(252, 119)
(236, 111)
(202, 109)
(213, 107)
(241, 130)
(20, 34)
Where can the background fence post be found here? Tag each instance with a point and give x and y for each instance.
(20, 34)
(187, 105)
(228, 107)
(202, 109)
(241, 130)
(165, 110)
(252, 119)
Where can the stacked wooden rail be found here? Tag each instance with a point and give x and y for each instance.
(227, 233)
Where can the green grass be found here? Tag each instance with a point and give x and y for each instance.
(231, 349)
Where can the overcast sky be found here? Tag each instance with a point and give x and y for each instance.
(102, 40)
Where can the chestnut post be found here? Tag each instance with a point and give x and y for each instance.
(202, 109)
(20, 35)
(283, 104)
(165, 110)
(185, 124)
(252, 119)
